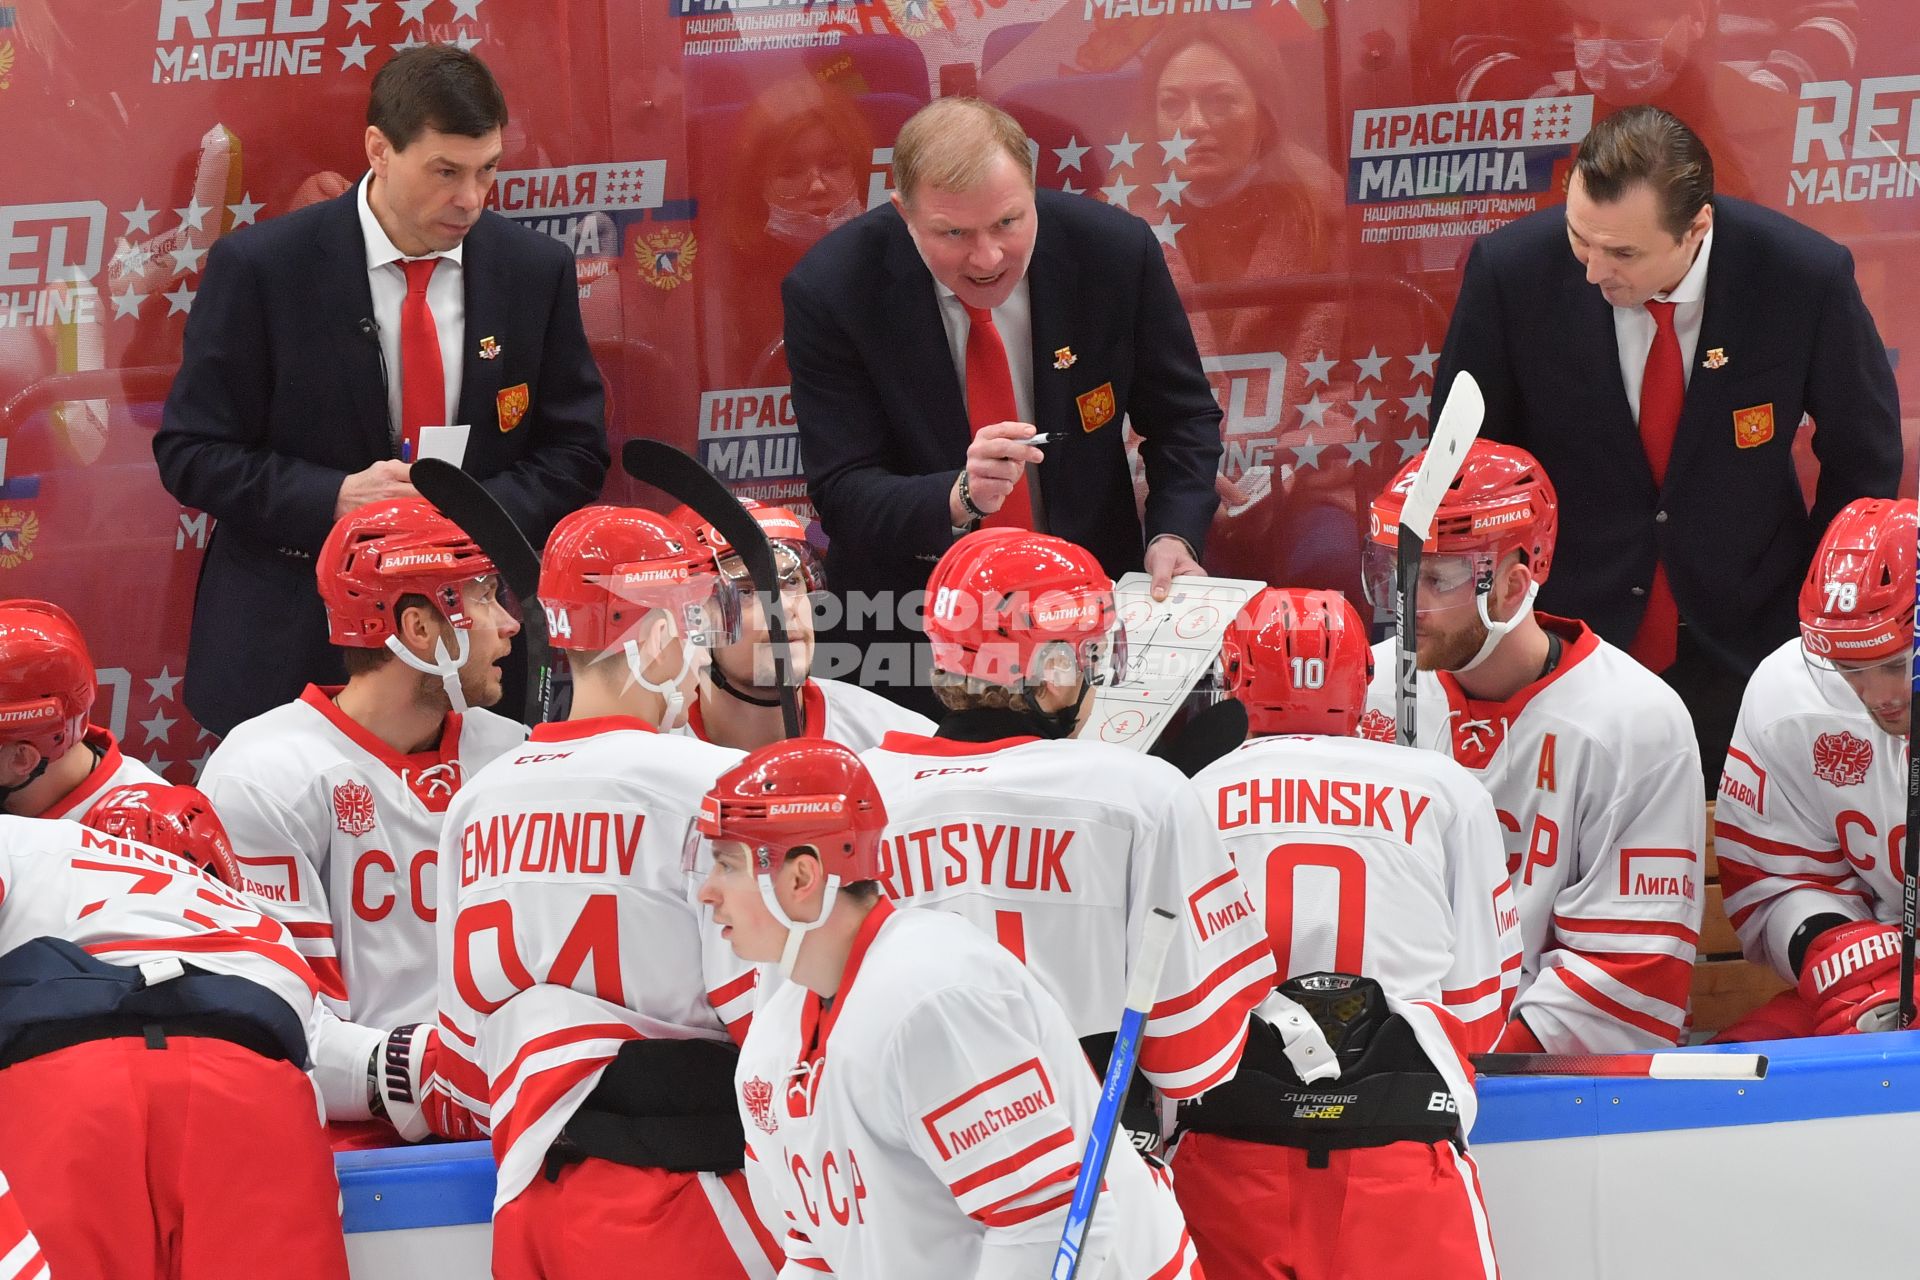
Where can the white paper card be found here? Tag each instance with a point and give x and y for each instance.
(449, 444)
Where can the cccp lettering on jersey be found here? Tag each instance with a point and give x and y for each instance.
(961, 853)
(841, 1188)
(1859, 840)
(1334, 802)
(549, 843)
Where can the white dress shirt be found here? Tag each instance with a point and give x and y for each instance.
(1633, 327)
(446, 298)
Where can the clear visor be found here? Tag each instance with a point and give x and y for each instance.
(1897, 666)
(796, 563)
(1446, 581)
(704, 609)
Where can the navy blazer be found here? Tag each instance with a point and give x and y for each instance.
(883, 417)
(1729, 522)
(281, 394)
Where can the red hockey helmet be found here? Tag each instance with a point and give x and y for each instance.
(1856, 606)
(46, 677)
(803, 791)
(1501, 501)
(179, 819)
(999, 597)
(385, 550)
(605, 568)
(1300, 662)
(794, 558)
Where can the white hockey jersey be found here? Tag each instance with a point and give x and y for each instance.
(1367, 858)
(339, 837)
(1595, 776)
(573, 928)
(1059, 849)
(1812, 812)
(129, 903)
(930, 1121)
(113, 769)
(838, 711)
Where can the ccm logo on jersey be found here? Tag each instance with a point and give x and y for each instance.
(1653, 873)
(1744, 782)
(1005, 1102)
(941, 773)
(1218, 904)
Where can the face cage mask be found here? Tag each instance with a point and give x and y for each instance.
(445, 665)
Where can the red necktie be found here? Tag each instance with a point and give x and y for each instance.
(990, 400)
(1663, 388)
(423, 389)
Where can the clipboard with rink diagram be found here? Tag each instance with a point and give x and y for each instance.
(1170, 645)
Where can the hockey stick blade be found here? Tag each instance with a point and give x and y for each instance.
(1645, 1066)
(1142, 987)
(1453, 435)
(465, 501)
(1209, 735)
(666, 468)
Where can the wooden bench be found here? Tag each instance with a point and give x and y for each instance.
(1726, 986)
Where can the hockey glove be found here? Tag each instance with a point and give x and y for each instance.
(404, 1086)
(1851, 977)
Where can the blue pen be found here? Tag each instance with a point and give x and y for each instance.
(406, 451)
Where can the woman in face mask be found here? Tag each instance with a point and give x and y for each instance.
(798, 168)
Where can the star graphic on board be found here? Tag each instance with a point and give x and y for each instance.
(194, 214)
(468, 9)
(1360, 451)
(361, 12)
(128, 303)
(1166, 229)
(160, 687)
(411, 42)
(1308, 453)
(467, 42)
(1118, 191)
(1411, 445)
(187, 258)
(1071, 154)
(414, 10)
(159, 726)
(1174, 148)
(1367, 408)
(246, 211)
(1170, 191)
(140, 218)
(199, 764)
(1423, 363)
(1418, 404)
(158, 766)
(1318, 369)
(180, 301)
(1315, 411)
(355, 54)
(133, 259)
(1122, 151)
(1373, 365)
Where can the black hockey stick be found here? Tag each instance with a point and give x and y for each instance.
(1209, 735)
(1910, 861)
(1453, 435)
(1642, 1066)
(466, 502)
(666, 468)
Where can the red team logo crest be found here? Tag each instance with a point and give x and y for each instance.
(353, 808)
(758, 1095)
(1376, 726)
(1841, 759)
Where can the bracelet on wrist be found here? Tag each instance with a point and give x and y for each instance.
(966, 500)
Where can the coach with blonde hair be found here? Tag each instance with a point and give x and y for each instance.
(931, 338)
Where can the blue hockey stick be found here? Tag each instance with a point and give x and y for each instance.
(1141, 988)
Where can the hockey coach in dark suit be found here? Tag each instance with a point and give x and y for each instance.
(323, 341)
(930, 338)
(1655, 346)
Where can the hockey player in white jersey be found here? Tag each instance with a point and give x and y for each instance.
(589, 1003)
(334, 801)
(739, 702)
(1058, 847)
(53, 763)
(154, 1111)
(1811, 824)
(1591, 760)
(916, 1101)
(1381, 878)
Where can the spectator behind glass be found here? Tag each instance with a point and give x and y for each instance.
(798, 169)
(1259, 207)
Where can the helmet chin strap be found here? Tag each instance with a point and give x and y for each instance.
(1498, 631)
(797, 930)
(672, 690)
(718, 676)
(446, 666)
